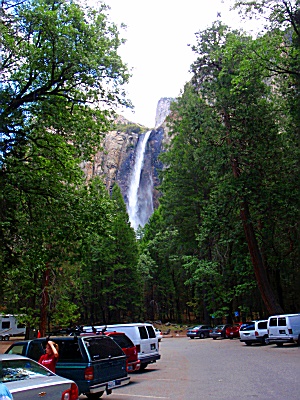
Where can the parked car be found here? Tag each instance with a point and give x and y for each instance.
(219, 331)
(142, 335)
(158, 334)
(284, 328)
(254, 332)
(200, 331)
(132, 362)
(28, 380)
(233, 331)
(95, 363)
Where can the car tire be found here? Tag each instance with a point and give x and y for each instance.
(298, 341)
(202, 335)
(94, 396)
(144, 366)
(248, 343)
(214, 338)
(191, 337)
(279, 344)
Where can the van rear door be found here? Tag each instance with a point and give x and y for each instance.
(149, 342)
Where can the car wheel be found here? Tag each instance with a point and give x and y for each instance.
(144, 366)
(279, 344)
(248, 343)
(263, 342)
(298, 341)
(191, 337)
(94, 396)
(202, 335)
(214, 338)
(6, 338)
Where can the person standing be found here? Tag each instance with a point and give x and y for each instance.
(49, 359)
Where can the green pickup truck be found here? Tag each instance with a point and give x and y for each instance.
(96, 363)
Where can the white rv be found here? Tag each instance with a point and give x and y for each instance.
(284, 328)
(9, 326)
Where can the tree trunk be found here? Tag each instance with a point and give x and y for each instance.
(45, 301)
(263, 283)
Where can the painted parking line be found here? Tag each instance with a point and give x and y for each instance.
(139, 395)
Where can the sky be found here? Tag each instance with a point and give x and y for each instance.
(157, 48)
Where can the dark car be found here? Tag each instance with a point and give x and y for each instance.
(200, 331)
(219, 331)
(95, 363)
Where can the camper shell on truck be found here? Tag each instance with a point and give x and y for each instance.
(96, 363)
(9, 326)
(284, 328)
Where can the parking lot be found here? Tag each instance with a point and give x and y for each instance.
(216, 369)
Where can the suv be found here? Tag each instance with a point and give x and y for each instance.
(95, 363)
(200, 331)
(254, 332)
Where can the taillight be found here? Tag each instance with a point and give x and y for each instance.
(71, 394)
(138, 348)
(256, 333)
(290, 331)
(89, 373)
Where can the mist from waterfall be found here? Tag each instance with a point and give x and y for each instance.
(140, 203)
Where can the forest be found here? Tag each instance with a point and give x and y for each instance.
(223, 245)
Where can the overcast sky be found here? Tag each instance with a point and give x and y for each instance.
(158, 33)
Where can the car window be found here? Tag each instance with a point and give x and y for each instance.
(247, 327)
(18, 370)
(143, 332)
(282, 321)
(17, 349)
(273, 322)
(35, 351)
(151, 332)
(262, 325)
(102, 347)
(122, 340)
(69, 350)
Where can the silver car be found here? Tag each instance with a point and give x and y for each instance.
(28, 380)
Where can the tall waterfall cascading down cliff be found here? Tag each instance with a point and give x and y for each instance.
(140, 191)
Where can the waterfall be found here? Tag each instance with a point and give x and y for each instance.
(140, 203)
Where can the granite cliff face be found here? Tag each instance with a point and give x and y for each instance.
(116, 163)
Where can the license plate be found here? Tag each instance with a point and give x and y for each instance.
(111, 384)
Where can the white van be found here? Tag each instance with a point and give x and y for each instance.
(9, 326)
(284, 328)
(142, 335)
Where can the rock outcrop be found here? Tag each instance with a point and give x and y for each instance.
(116, 161)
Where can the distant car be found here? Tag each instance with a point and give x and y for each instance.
(233, 331)
(158, 334)
(132, 362)
(219, 331)
(28, 380)
(254, 332)
(200, 331)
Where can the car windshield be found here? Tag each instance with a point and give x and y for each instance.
(247, 327)
(17, 370)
